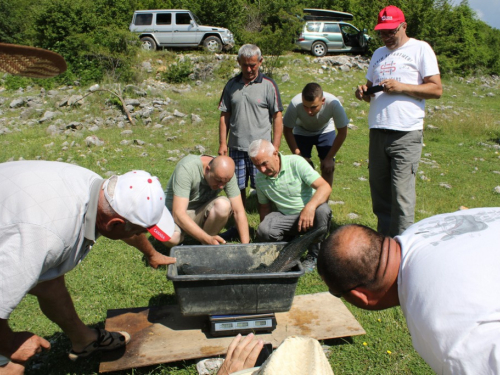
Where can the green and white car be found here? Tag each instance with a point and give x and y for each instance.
(326, 31)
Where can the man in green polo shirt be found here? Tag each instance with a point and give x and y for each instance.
(298, 191)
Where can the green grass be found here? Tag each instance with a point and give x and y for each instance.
(115, 275)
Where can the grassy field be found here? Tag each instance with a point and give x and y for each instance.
(460, 167)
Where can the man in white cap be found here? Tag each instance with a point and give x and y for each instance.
(406, 71)
(51, 215)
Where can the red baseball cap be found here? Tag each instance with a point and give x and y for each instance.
(389, 18)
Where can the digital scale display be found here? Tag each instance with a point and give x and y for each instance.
(225, 325)
(244, 324)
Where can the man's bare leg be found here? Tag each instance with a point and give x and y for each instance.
(56, 303)
(12, 368)
(217, 217)
(244, 196)
(328, 177)
(327, 171)
(176, 239)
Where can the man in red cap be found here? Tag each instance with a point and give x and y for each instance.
(405, 72)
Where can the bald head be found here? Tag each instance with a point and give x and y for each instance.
(219, 171)
(350, 258)
(222, 166)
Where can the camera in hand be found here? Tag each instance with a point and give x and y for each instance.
(373, 90)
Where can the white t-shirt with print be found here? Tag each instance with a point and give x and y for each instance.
(410, 64)
(449, 290)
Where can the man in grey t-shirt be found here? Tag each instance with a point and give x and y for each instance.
(250, 108)
(310, 120)
(192, 195)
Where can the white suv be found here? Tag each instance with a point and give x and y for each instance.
(178, 28)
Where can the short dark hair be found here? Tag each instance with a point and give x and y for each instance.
(358, 268)
(312, 91)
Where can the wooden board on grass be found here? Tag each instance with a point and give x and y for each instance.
(163, 334)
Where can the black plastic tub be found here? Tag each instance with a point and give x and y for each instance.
(218, 294)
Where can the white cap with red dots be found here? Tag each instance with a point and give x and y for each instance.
(139, 198)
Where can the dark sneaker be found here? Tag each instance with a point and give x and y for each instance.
(309, 264)
(230, 235)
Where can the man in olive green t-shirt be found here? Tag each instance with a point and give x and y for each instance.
(192, 196)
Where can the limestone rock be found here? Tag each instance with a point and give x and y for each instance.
(75, 100)
(49, 115)
(195, 119)
(17, 103)
(93, 140)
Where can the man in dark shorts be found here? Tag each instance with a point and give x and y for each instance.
(310, 120)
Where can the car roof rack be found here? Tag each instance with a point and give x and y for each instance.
(326, 15)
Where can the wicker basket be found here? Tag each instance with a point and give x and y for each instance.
(30, 61)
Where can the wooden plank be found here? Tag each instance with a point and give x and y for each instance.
(163, 335)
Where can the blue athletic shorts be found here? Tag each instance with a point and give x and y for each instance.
(244, 168)
(323, 143)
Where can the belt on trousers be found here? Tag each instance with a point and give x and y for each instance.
(389, 131)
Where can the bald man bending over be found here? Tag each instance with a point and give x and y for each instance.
(442, 271)
(192, 196)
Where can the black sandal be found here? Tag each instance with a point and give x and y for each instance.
(105, 341)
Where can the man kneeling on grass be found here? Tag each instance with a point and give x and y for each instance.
(198, 210)
(298, 191)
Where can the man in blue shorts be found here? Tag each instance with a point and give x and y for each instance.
(310, 120)
(250, 108)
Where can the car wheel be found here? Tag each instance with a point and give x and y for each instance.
(212, 44)
(318, 49)
(148, 43)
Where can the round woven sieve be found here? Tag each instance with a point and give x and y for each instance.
(30, 61)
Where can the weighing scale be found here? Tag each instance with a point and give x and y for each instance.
(230, 325)
(162, 334)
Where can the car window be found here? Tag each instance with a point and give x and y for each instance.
(143, 19)
(183, 19)
(331, 28)
(313, 27)
(348, 29)
(196, 19)
(163, 18)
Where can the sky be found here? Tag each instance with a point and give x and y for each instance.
(486, 10)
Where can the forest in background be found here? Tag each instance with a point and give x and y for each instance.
(93, 35)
